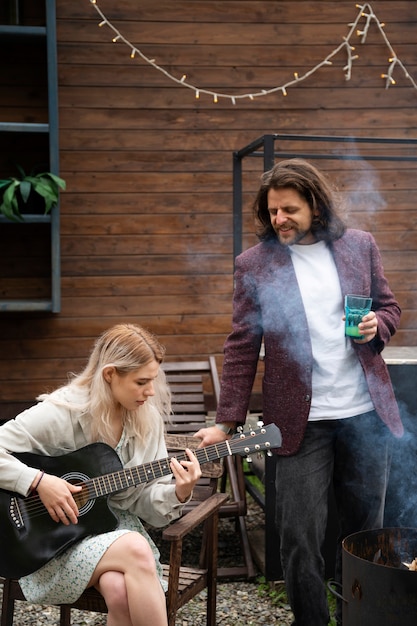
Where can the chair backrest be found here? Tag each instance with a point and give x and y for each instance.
(193, 384)
(195, 387)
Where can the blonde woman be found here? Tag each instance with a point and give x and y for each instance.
(118, 399)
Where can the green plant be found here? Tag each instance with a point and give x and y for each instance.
(275, 591)
(277, 594)
(16, 190)
(254, 480)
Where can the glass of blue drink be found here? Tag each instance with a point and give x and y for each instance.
(355, 309)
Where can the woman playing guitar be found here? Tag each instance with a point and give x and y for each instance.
(118, 399)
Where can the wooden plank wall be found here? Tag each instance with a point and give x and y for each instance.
(147, 215)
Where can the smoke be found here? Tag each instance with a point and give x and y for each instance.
(360, 194)
(282, 320)
(401, 502)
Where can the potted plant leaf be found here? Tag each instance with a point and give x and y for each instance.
(20, 194)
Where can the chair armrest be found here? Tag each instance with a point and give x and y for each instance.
(179, 529)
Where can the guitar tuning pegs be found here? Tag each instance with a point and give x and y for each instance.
(269, 453)
(240, 429)
(249, 459)
(260, 424)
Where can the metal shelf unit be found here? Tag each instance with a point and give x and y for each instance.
(40, 35)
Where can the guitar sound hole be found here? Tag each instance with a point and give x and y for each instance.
(81, 499)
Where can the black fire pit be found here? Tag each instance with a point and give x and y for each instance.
(378, 589)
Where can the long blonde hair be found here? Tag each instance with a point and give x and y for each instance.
(127, 347)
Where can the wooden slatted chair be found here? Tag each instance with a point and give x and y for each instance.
(195, 388)
(184, 582)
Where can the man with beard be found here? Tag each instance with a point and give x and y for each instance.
(330, 395)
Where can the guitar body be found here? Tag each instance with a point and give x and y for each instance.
(27, 546)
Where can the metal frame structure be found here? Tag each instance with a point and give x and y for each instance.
(265, 147)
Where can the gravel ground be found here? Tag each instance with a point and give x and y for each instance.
(239, 603)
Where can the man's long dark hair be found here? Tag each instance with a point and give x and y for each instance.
(313, 186)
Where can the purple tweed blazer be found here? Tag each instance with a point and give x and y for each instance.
(267, 306)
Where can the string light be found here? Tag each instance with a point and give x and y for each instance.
(365, 11)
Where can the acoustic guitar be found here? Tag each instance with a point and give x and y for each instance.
(29, 536)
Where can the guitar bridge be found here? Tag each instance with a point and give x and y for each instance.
(15, 513)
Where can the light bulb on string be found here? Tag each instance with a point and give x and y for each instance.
(365, 11)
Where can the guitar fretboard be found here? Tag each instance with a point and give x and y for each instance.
(132, 477)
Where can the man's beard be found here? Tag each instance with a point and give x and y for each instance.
(296, 237)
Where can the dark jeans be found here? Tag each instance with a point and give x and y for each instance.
(352, 453)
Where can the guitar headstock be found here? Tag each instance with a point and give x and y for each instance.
(256, 440)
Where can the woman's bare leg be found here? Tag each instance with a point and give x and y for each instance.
(113, 588)
(137, 599)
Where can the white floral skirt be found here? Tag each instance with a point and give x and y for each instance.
(63, 580)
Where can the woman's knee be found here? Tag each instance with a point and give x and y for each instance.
(113, 589)
(129, 554)
(137, 551)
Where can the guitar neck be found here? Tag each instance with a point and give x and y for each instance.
(264, 438)
(119, 481)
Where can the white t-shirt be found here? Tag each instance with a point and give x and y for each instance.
(339, 386)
